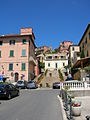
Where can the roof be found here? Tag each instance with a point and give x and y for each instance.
(17, 35)
(84, 34)
(73, 46)
(85, 61)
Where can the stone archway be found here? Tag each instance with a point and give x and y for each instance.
(16, 77)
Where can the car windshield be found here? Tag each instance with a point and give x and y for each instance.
(31, 82)
(20, 82)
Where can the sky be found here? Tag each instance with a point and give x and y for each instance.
(53, 21)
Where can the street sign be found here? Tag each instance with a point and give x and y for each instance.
(1, 77)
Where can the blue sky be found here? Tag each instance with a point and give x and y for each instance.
(53, 21)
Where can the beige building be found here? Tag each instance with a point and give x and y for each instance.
(56, 61)
(74, 54)
(17, 58)
(85, 42)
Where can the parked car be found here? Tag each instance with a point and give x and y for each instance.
(21, 84)
(8, 90)
(31, 85)
(56, 85)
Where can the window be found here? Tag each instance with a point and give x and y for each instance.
(48, 64)
(24, 41)
(23, 66)
(56, 57)
(23, 52)
(86, 40)
(10, 66)
(62, 57)
(12, 42)
(11, 53)
(72, 48)
(63, 64)
(56, 65)
(87, 53)
(89, 35)
(1, 43)
(0, 53)
(50, 57)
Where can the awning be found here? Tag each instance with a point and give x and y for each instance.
(82, 62)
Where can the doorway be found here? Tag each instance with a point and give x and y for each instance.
(16, 77)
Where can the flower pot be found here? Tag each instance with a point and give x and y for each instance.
(76, 111)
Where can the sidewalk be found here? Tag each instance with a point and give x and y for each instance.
(85, 102)
(85, 107)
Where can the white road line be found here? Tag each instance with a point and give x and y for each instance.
(63, 111)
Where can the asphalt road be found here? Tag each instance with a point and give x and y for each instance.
(32, 105)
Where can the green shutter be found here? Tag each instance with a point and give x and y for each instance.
(24, 41)
(12, 42)
(23, 66)
(23, 52)
(11, 53)
(10, 66)
(0, 53)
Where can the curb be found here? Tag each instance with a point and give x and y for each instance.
(62, 108)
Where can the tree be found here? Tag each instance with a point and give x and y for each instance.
(82, 53)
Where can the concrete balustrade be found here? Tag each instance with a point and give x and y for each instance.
(76, 85)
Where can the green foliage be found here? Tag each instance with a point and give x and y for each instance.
(82, 53)
(42, 65)
(51, 52)
(46, 72)
(60, 75)
(40, 77)
(87, 68)
(38, 53)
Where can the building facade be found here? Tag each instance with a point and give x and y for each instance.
(74, 54)
(64, 46)
(55, 61)
(17, 55)
(85, 42)
(43, 49)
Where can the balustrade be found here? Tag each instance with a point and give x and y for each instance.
(75, 85)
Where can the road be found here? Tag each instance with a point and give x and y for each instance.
(32, 105)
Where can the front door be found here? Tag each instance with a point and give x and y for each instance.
(16, 77)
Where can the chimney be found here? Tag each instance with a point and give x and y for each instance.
(26, 31)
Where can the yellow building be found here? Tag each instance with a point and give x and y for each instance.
(85, 42)
(17, 54)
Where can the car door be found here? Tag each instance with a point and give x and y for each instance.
(11, 90)
(14, 90)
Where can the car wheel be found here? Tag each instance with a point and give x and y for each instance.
(9, 96)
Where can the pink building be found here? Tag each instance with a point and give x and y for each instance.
(17, 55)
(37, 67)
(64, 46)
(43, 49)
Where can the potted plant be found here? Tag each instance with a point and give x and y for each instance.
(76, 108)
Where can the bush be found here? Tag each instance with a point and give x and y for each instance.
(60, 75)
(46, 72)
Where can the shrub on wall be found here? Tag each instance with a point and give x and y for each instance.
(60, 75)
